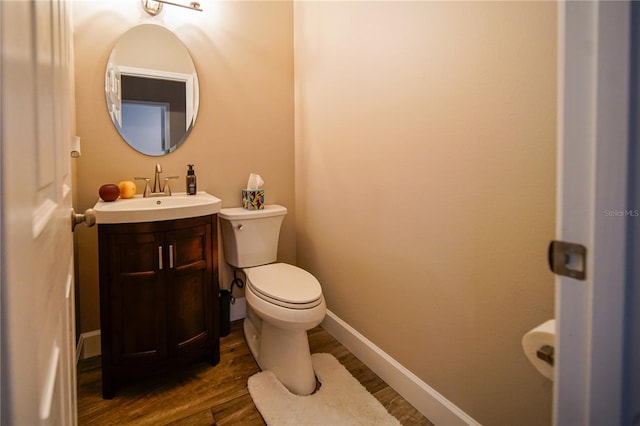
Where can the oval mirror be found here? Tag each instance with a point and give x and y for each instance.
(152, 90)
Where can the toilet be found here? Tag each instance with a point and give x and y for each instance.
(283, 301)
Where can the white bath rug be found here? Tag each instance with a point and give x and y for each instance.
(341, 400)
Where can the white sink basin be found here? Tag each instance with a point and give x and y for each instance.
(153, 209)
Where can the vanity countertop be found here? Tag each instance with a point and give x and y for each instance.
(153, 209)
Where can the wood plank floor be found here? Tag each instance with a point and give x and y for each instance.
(206, 395)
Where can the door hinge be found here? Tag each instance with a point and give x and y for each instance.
(568, 259)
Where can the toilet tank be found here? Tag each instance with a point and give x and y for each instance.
(250, 237)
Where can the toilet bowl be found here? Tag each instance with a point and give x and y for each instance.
(283, 300)
(277, 323)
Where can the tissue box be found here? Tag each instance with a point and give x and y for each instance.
(253, 199)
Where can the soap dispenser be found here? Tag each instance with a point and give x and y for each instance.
(191, 181)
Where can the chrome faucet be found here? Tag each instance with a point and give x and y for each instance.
(160, 187)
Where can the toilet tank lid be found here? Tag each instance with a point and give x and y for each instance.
(235, 213)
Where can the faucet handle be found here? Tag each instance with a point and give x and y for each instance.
(147, 189)
(167, 188)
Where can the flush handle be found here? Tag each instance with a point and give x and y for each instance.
(568, 259)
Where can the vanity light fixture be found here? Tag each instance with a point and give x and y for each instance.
(153, 7)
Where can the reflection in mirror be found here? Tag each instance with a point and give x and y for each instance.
(152, 90)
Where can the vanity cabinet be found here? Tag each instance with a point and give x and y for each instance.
(159, 305)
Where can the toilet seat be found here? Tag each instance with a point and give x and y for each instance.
(284, 285)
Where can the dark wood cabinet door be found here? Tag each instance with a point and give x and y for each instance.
(138, 313)
(189, 291)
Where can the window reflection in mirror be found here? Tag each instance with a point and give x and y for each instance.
(151, 88)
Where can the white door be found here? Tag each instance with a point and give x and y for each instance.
(37, 309)
(592, 210)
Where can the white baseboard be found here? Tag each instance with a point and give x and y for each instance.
(88, 345)
(423, 397)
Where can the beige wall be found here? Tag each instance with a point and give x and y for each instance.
(425, 172)
(244, 58)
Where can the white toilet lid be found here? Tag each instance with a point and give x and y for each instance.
(285, 283)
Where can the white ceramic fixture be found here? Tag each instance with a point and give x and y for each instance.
(153, 209)
(283, 301)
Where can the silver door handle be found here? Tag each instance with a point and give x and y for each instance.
(88, 218)
(159, 257)
(170, 256)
